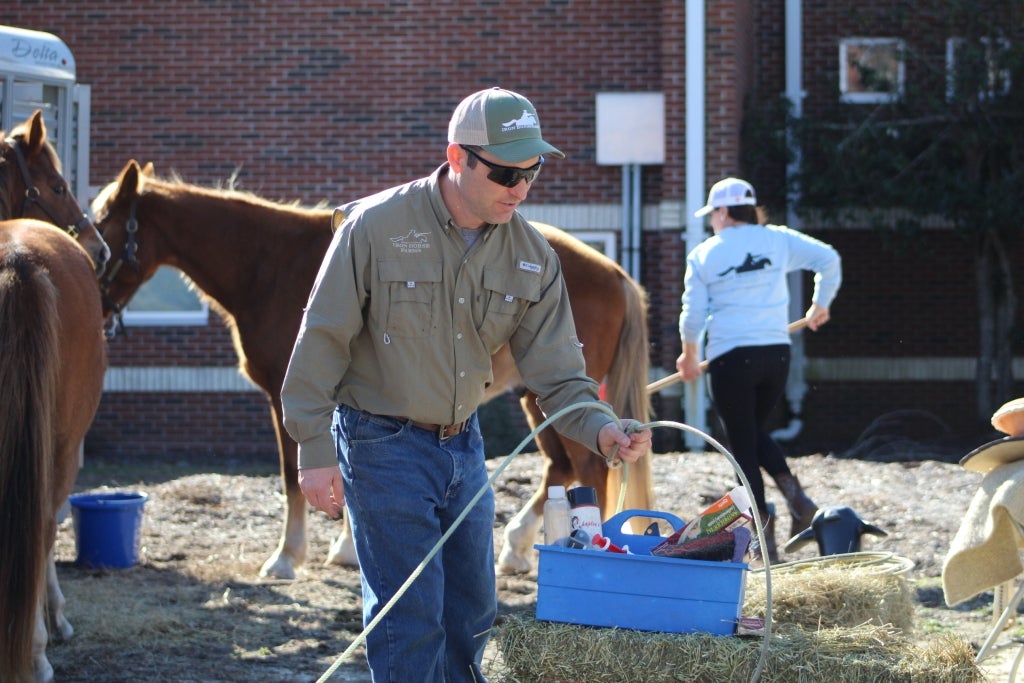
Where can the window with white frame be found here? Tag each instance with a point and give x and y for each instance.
(871, 70)
(166, 299)
(602, 240)
(977, 67)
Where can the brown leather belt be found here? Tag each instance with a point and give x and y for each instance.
(443, 431)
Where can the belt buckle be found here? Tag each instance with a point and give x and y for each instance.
(443, 433)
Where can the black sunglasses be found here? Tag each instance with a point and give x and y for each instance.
(509, 176)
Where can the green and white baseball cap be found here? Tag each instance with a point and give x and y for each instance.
(504, 123)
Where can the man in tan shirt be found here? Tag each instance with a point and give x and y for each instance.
(421, 285)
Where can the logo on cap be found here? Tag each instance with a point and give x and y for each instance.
(527, 120)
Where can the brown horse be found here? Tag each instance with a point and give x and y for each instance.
(51, 371)
(255, 262)
(32, 186)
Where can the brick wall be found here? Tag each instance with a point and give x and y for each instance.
(183, 425)
(315, 101)
(329, 101)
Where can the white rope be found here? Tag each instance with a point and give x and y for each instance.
(501, 468)
(870, 561)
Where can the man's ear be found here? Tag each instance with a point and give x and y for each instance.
(456, 156)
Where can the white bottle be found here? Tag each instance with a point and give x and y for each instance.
(556, 517)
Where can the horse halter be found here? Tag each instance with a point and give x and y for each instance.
(127, 257)
(32, 194)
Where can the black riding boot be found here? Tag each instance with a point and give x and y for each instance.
(801, 508)
(768, 522)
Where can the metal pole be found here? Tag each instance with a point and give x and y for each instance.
(695, 401)
(637, 224)
(627, 234)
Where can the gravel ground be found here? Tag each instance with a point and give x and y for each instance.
(194, 608)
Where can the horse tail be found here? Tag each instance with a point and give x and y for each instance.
(626, 384)
(28, 373)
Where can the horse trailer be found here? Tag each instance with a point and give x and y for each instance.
(37, 71)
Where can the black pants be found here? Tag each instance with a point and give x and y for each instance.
(745, 385)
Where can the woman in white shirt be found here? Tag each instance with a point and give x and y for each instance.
(736, 289)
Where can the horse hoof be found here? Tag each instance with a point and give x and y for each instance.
(510, 563)
(63, 630)
(278, 567)
(342, 552)
(43, 671)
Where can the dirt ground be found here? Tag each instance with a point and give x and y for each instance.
(195, 610)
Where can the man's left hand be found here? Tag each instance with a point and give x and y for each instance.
(632, 446)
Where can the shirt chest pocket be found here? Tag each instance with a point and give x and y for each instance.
(506, 297)
(409, 308)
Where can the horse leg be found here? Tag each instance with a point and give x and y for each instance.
(43, 670)
(291, 548)
(57, 622)
(49, 612)
(50, 621)
(343, 549)
(521, 530)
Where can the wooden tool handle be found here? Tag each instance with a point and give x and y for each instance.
(669, 380)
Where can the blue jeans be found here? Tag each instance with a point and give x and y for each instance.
(403, 490)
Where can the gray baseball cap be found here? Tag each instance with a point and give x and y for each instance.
(502, 122)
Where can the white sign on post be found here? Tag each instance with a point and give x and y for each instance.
(630, 128)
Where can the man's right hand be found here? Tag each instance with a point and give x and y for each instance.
(324, 489)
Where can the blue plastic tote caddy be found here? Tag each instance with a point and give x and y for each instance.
(639, 591)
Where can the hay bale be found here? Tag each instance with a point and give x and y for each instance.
(546, 652)
(849, 613)
(824, 596)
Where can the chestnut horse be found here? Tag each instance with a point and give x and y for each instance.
(32, 186)
(255, 262)
(50, 330)
(51, 371)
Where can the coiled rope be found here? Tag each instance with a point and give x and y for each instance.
(612, 462)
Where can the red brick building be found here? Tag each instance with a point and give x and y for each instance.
(323, 102)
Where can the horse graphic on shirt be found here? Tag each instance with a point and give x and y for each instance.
(411, 237)
(750, 263)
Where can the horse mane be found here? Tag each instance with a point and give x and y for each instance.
(173, 187)
(48, 149)
(229, 189)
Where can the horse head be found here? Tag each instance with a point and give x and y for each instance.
(116, 210)
(33, 186)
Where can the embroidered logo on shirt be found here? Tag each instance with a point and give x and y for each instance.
(750, 263)
(529, 267)
(412, 242)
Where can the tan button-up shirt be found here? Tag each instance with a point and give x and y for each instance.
(403, 320)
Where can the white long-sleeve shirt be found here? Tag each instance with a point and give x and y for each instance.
(735, 285)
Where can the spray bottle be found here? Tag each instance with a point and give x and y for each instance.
(583, 511)
(556, 517)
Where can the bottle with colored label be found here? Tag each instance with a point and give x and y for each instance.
(556, 517)
(728, 512)
(584, 513)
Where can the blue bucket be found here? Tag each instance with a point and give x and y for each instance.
(108, 528)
